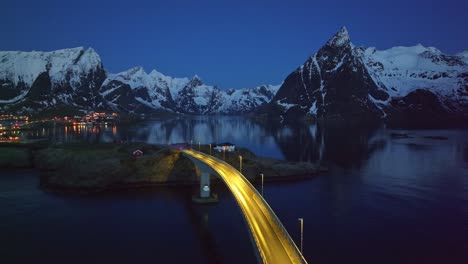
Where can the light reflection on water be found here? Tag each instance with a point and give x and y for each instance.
(384, 200)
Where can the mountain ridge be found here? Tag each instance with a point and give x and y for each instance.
(76, 78)
(339, 81)
(342, 81)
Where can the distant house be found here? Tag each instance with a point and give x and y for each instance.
(225, 147)
(137, 153)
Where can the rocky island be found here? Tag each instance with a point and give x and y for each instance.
(80, 167)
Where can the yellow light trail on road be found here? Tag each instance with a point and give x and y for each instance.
(271, 238)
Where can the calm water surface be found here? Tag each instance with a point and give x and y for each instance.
(384, 200)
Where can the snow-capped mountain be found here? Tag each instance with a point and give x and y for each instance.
(75, 79)
(343, 81)
(135, 90)
(340, 81)
(197, 97)
(402, 70)
(38, 80)
(245, 100)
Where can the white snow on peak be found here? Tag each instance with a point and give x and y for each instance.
(21, 66)
(137, 78)
(340, 38)
(247, 98)
(401, 70)
(274, 88)
(463, 55)
(202, 95)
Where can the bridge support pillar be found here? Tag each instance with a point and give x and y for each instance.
(205, 188)
(206, 197)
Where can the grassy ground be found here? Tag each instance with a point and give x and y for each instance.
(15, 157)
(81, 166)
(111, 165)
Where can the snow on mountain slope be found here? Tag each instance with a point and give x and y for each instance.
(34, 81)
(342, 81)
(19, 66)
(183, 95)
(464, 56)
(137, 87)
(244, 100)
(404, 69)
(332, 83)
(174, 85)
(197, 97)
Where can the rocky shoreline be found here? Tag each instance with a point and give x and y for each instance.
(83, 168)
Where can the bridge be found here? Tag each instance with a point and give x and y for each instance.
(272, 241)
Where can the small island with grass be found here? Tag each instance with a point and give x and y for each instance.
(81, 167)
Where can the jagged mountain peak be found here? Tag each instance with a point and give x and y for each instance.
(135, 70)
(341, 38)
(463, 55)
(195, 81)
(156, 74)
(25, 67)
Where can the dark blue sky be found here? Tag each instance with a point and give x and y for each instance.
(233, 44)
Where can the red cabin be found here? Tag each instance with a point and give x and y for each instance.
(137, 153)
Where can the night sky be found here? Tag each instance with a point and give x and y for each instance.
(233, 44)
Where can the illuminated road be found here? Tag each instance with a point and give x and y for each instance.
(272, 240)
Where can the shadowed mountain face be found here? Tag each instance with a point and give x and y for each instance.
(339, 82)
(46, 80)
(333, 83)
(344, 82)
(34, 82)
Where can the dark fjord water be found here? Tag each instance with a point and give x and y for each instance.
(384, 200)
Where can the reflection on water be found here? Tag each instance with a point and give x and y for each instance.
(384, 200)
(345, 145)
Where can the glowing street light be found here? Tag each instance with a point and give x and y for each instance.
(262, 183)
(301, 220)
(240, 163)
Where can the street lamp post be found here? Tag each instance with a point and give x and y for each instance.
(199, 146)
(191, 141)
(210, 149)
(301, 221)
(262, 183)
(240, 163)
